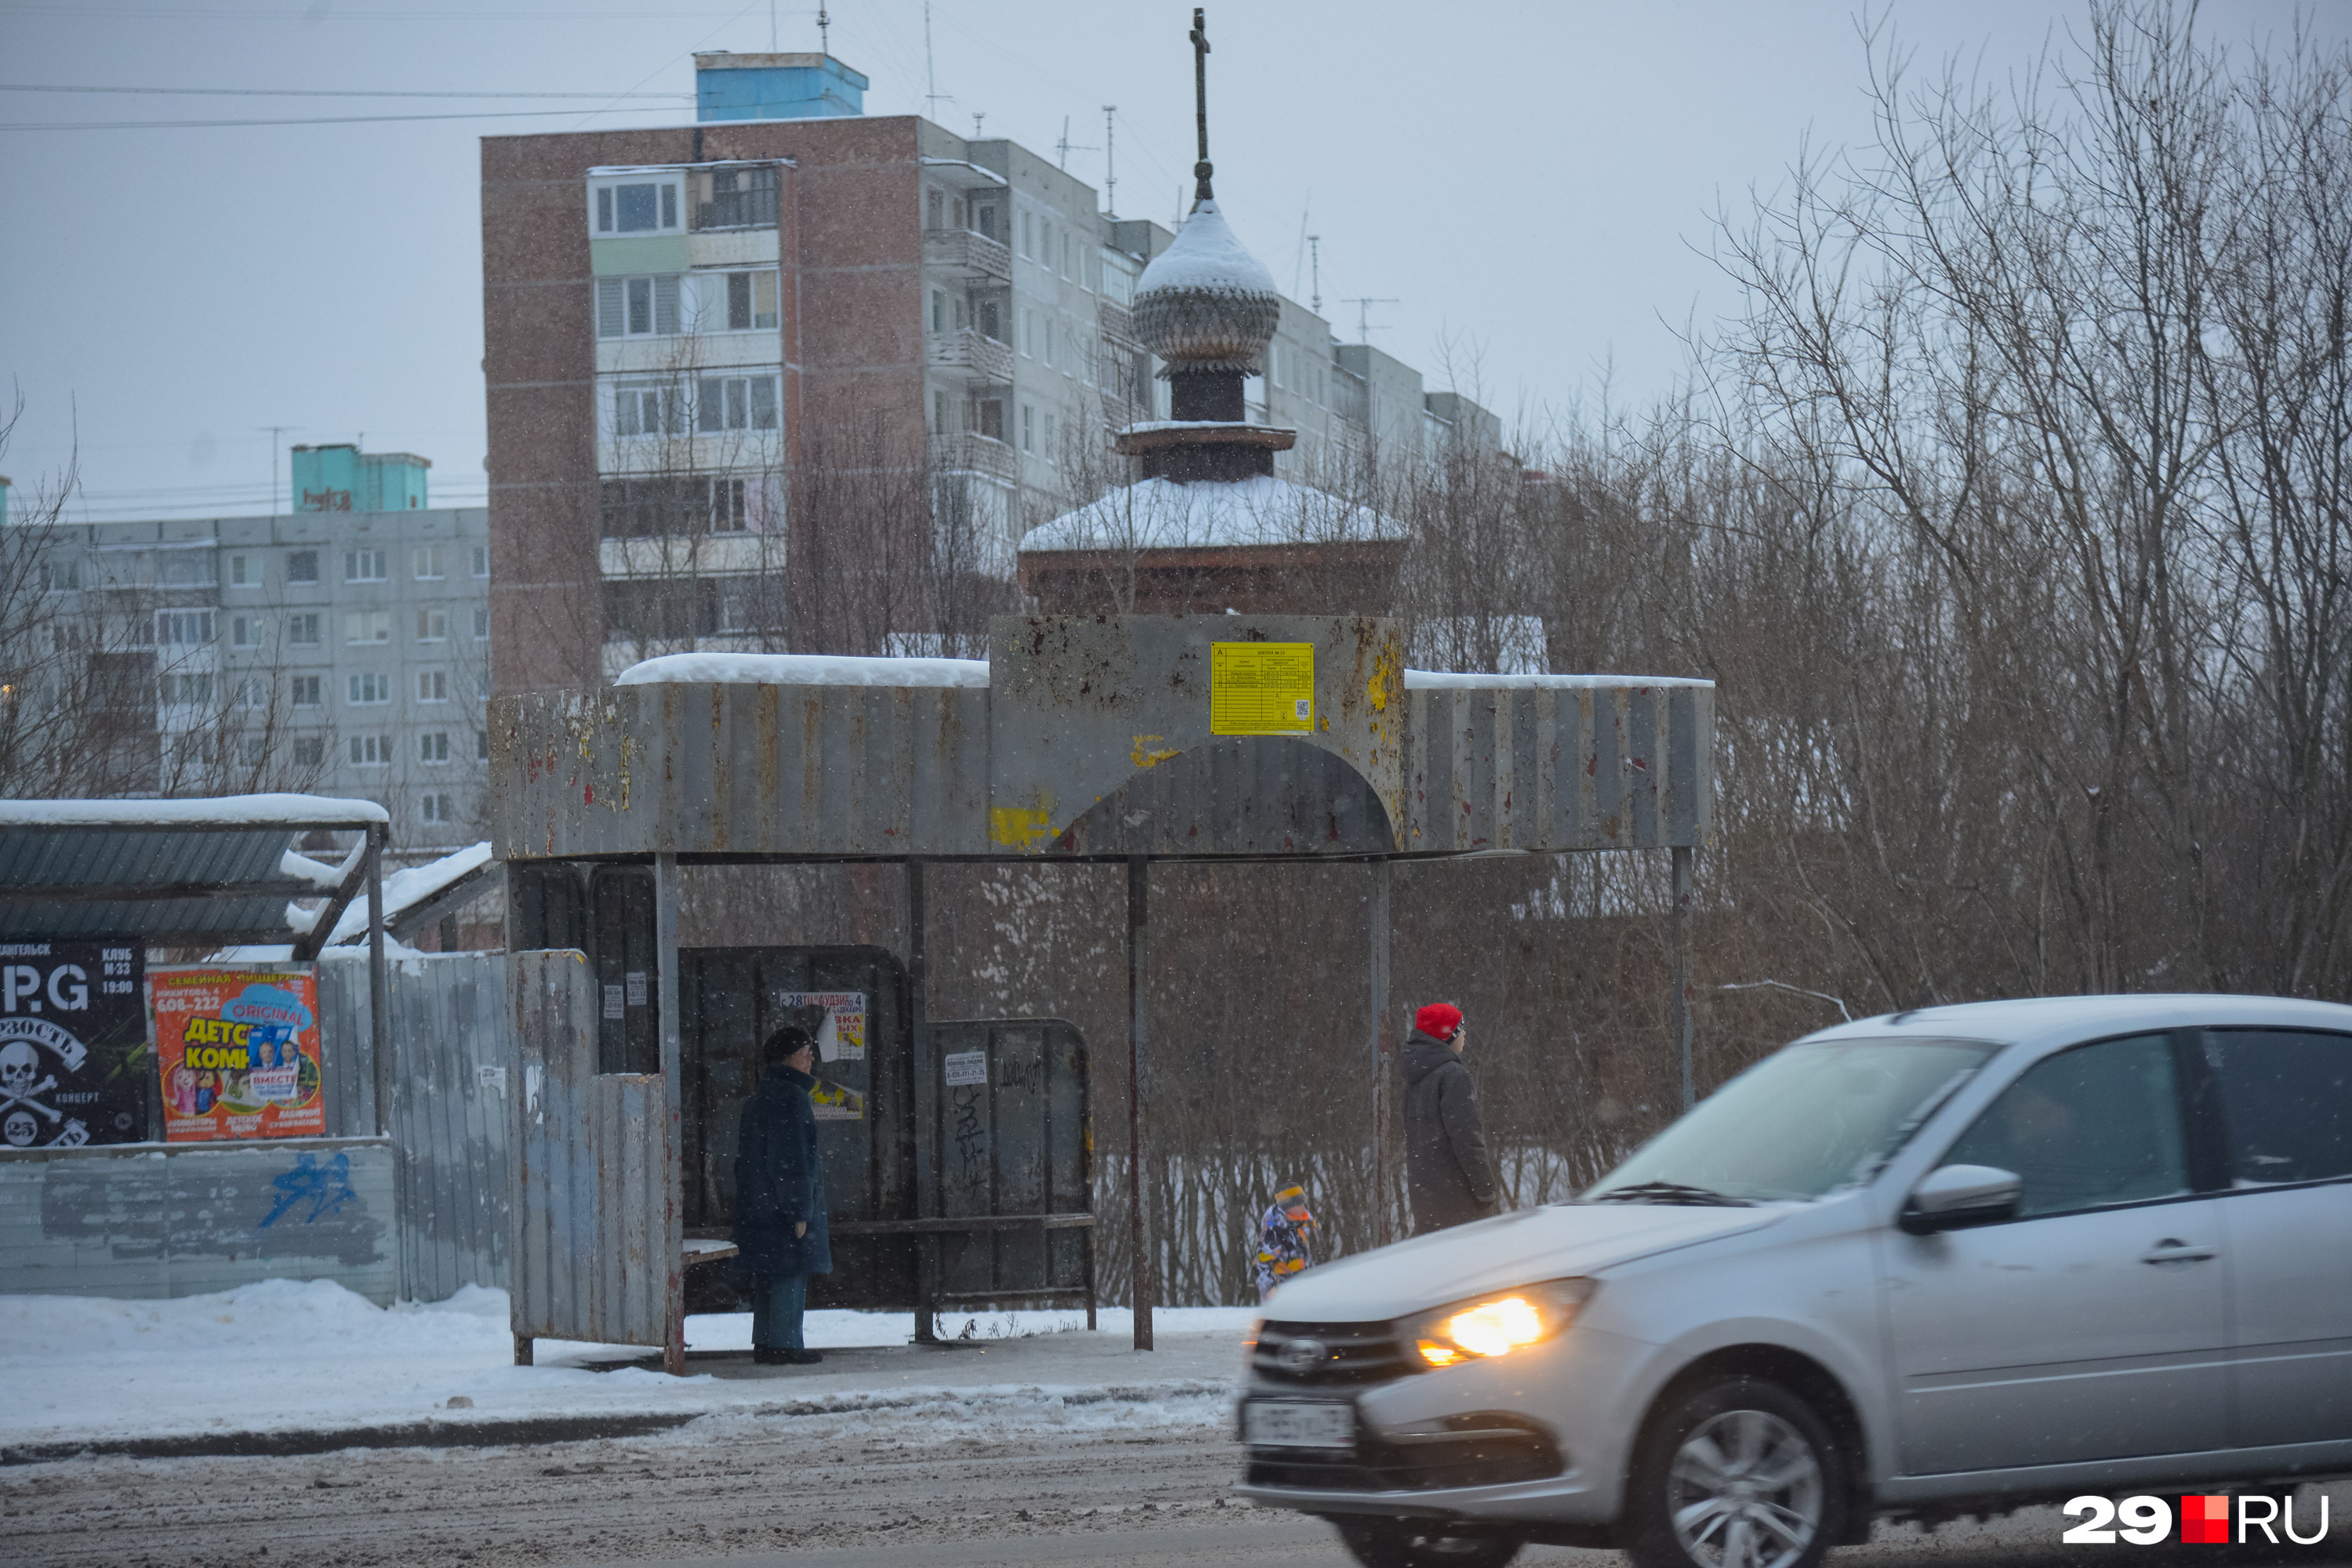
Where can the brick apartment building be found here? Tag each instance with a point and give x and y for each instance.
(686, 328)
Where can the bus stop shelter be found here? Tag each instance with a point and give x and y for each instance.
(1129, 739)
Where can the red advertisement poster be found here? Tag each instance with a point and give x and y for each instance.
(239, 1052)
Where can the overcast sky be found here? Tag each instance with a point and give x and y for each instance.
(1531, 183)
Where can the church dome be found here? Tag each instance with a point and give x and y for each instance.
(1205, 303)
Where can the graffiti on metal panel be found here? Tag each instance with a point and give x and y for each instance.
(326, 1186)
(970, 1137)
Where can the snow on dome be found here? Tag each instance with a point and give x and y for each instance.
(1205, 303)
(801, 669)
(1163, 514)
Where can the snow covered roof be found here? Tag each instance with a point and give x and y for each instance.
(1163, 514)
(1205, 254)
(801, 669)
(1449, 680)
(257, 810)
(413, 889)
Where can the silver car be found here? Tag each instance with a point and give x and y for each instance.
(1968, 1256)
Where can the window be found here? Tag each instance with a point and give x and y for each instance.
(991, 419)
(310, 751)
(366, 690)
(1045, 243)
(2097, 1125)
(481, 560)
(244, 571)
(648, 408)
(305, 691)
(935, 204)
(183, 628)
(481, 626)
(433, 746)
(60, 576)
(2286, 1097)
(636, 205)
(181, 689)
(1053, 329)
(736, 403)
(367, 625)
(437, 808)
(432, 625)
(253, 693)
(186, 569)
(1028, 428)
(303, 628)
(939, 310)
(301, 567)
(637, 307)
(431, 562)
(987, 221)
(664, 507)
(736, 198)
(482, 746)
(1052, 432)
(940, 414)
(370, 751)
(363, 565)
(252, 749)
(432, 686)
(751, 301)
(990, 324)
(1026, 232)
(245, 631)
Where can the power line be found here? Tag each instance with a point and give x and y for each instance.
(326, 92)
(324, 120)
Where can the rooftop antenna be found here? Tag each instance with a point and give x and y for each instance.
(930, 77)
(1364, 314)
(1314, 262)
(977, 116)
(1064, 146)
(1110, 167)
(274, 432)
(1298, 256)
(823, 37)
(1202, 170)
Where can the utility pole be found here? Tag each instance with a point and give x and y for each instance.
(1110, 167)
(274, 432)
(1315, 261)
(1364, 314)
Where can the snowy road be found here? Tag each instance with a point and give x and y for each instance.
(795, 1494)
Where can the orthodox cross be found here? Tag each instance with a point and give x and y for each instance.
(1201, 171)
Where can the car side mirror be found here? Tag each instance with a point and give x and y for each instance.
(1951, 1196)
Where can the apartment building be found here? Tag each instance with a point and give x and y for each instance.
(342, 649)
(694, 333)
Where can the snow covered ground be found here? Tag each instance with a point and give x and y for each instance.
(281, 1354)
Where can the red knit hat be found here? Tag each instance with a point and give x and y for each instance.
(1439, 1018)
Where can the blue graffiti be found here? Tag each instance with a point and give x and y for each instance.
(326, 1186)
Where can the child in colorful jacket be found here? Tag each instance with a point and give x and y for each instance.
(1283, 1245)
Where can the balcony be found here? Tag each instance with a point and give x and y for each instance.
(982, 356)
(973, 453)
(1118, 325)
(964, 254)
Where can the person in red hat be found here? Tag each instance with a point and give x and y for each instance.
(1448, 1174)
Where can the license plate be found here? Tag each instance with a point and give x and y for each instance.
(1298, 1424)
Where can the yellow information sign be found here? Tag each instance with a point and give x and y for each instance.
(1261, 688)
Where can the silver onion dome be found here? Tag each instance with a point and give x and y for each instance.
(1205, 303)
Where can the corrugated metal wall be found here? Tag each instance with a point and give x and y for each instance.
(596, 1240)
(144, 1223)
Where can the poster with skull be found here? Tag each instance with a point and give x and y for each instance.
(74, 1058)
(237, 1052)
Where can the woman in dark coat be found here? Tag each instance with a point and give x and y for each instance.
(780, 1208)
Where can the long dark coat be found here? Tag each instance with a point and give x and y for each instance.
(1447, 1173)
(779, 1182)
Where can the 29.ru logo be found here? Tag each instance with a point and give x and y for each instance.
(2205, 1517)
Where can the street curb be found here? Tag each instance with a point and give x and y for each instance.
(315, 1440)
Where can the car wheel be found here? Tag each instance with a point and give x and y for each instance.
(1418, 1544)
(1736, 1473)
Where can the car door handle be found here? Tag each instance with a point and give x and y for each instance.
(2174, 1251)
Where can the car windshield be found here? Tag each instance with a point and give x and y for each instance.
(1805, 1120)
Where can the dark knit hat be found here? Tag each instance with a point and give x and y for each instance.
(785, 1043)
(1439, 1018)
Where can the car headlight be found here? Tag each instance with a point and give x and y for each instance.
(1499, 1323)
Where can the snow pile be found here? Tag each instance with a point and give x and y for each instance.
(281, 1354)
(411, 886)
(1205, 254)
(1163, 514)
(802, 669)
(257, 810)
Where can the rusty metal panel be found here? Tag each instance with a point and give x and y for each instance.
(1078, 706)
(1014, 1139)
(593, 1231)
(740, 768)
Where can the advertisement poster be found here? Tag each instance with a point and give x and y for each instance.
(239, 1052)
(842, 1037)
(73, 1043)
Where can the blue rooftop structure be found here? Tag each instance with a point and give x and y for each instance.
(776, 86)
